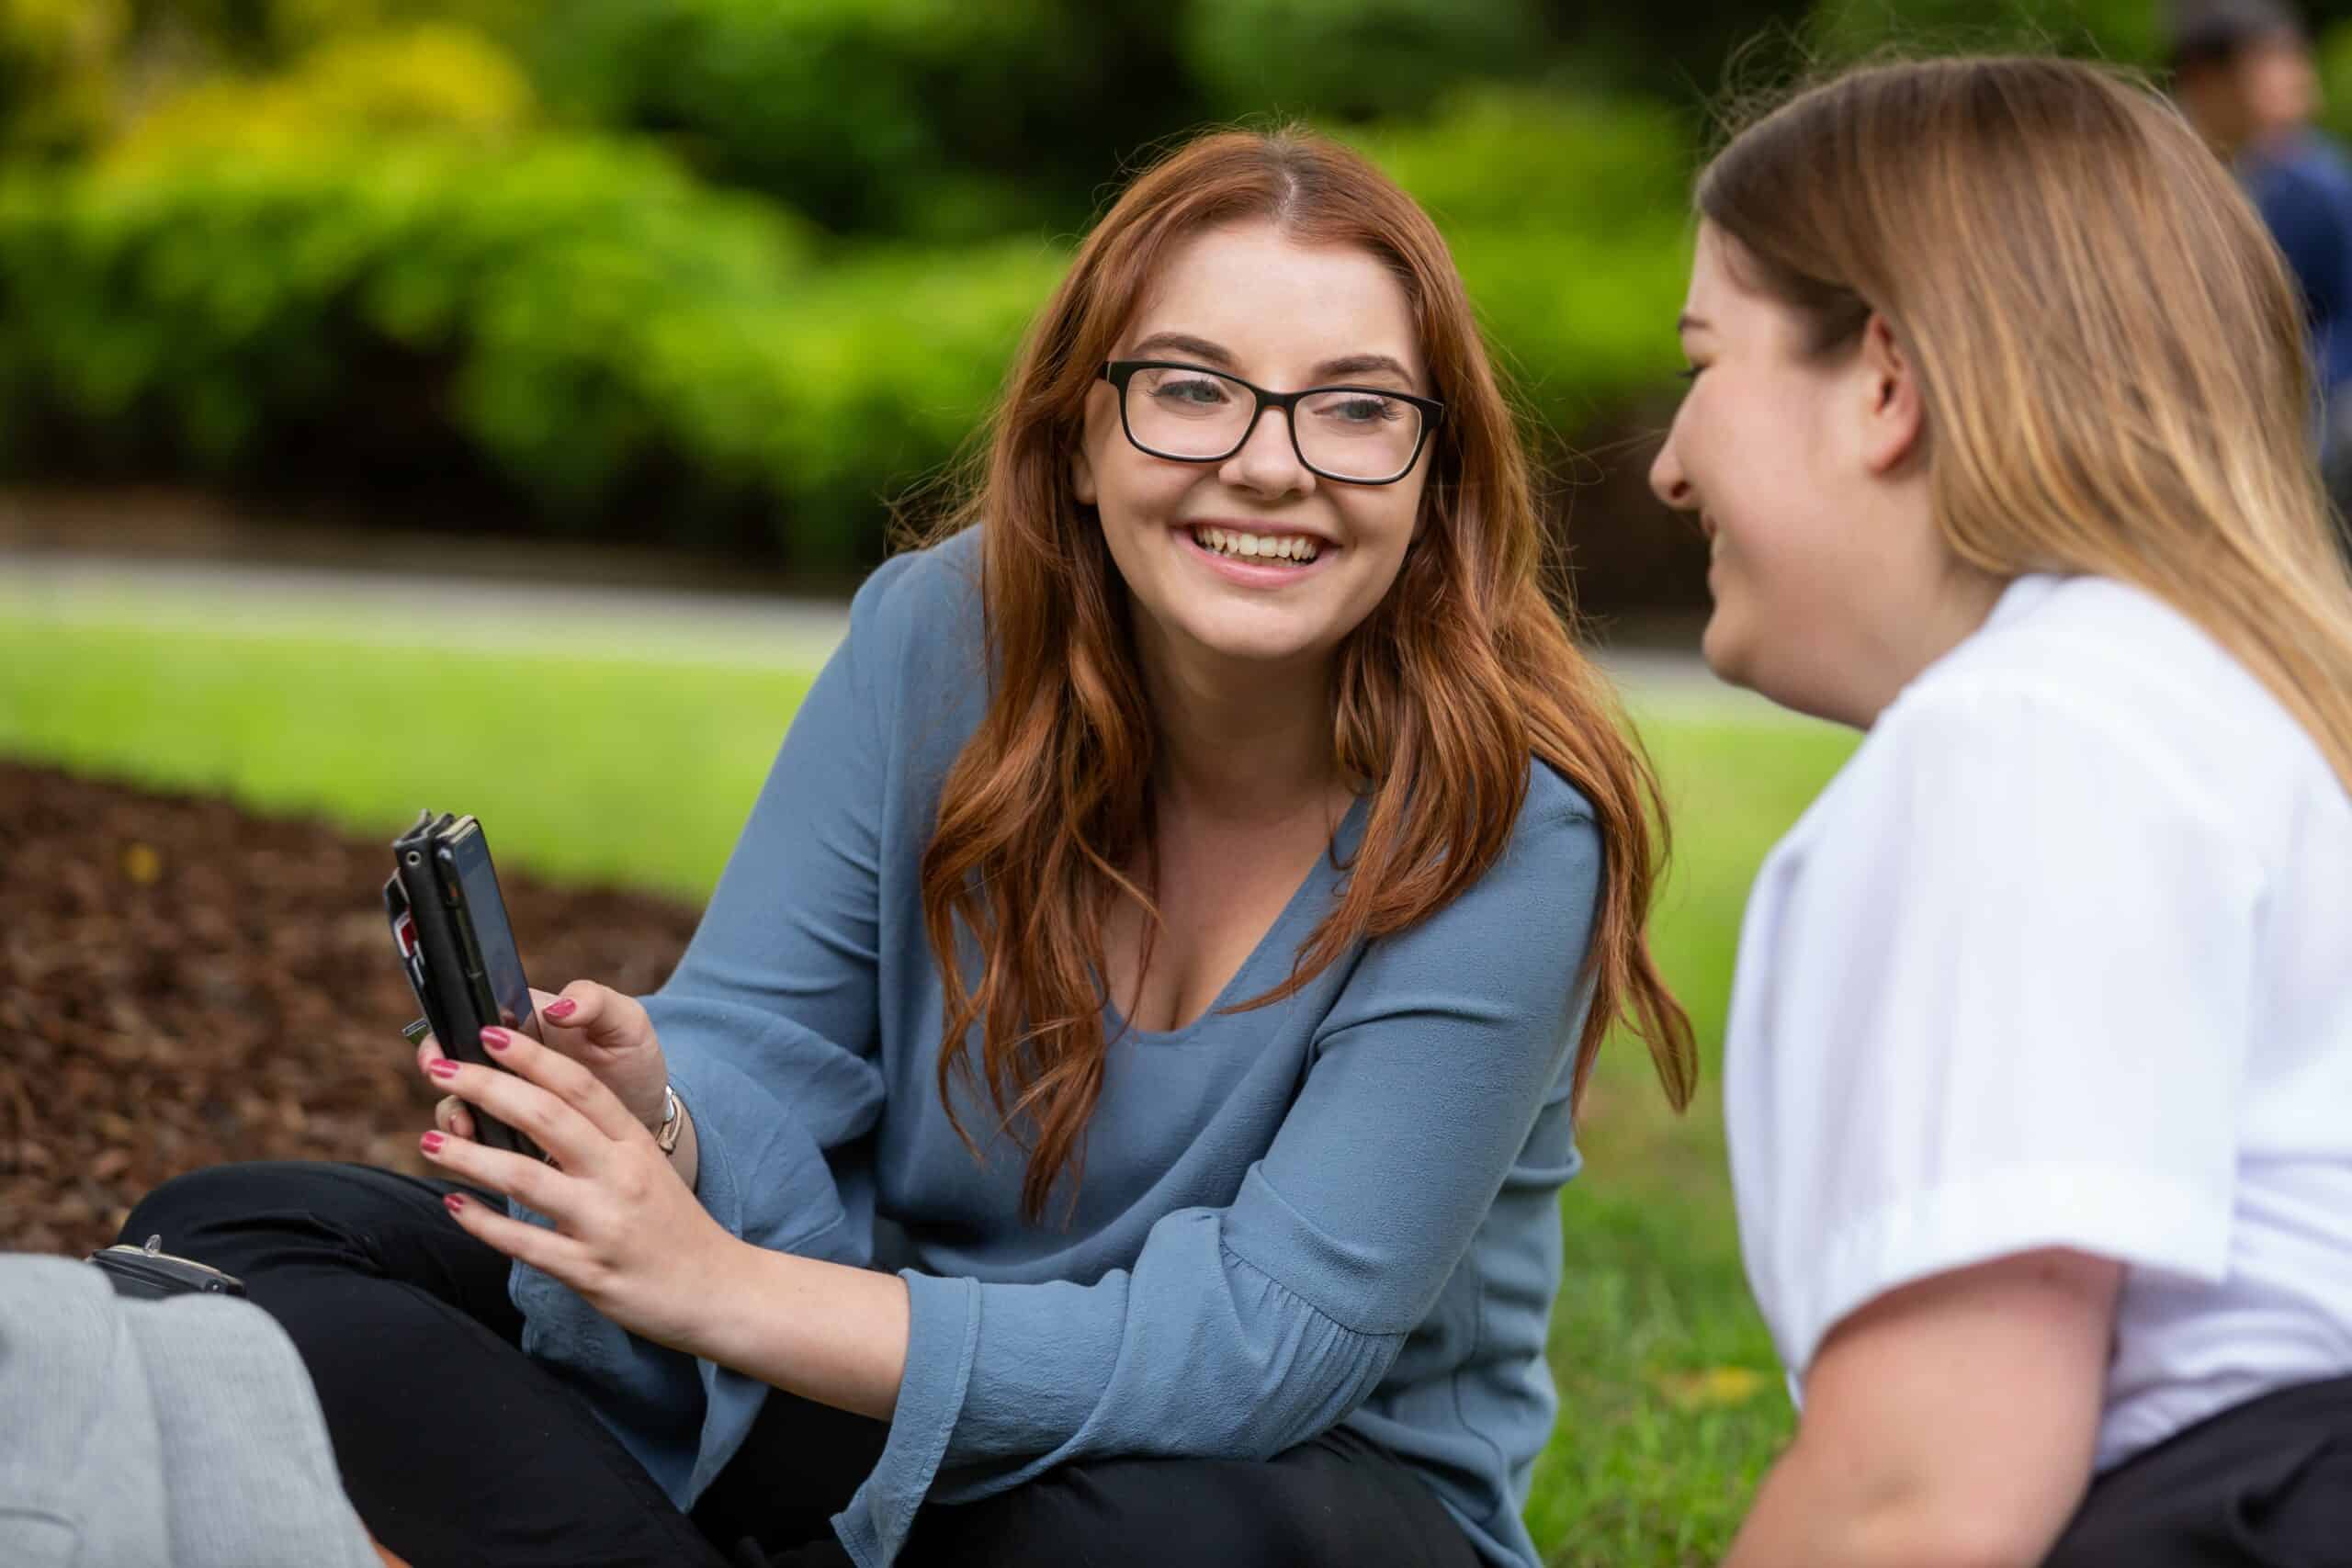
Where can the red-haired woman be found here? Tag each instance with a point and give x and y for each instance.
(1116, 1099)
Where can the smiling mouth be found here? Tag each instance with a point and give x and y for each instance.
(1269, 549)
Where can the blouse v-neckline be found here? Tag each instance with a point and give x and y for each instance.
(1318, 877)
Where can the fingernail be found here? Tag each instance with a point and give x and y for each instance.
(432, 1141)
(442, 1068)
(563, 1010)
(496, 1039)
(454, 1201)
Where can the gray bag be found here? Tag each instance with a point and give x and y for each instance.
(178, 1433)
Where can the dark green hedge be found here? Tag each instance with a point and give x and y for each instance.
(574, 331)
(909, 118)
(572, 322)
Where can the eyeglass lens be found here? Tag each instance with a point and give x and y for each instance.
(1349, 433)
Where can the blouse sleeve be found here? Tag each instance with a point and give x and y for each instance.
(1243, 1330)
(769, 1027)
(2000, 1002)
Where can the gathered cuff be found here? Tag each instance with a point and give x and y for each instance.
(943, 1332)
(765, 1179)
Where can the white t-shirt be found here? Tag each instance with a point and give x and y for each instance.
(2063, 957)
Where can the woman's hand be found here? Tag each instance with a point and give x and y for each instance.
(604, 1030)
(628, 1235)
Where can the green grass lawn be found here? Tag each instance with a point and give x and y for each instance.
(641, 773)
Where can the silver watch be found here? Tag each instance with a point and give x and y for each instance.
(673, 1121)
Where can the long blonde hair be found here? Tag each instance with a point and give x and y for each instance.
(2111, 354)
(1456, 678)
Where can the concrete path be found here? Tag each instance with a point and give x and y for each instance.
(654, 624)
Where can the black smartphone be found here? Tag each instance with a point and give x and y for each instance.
(449, 926)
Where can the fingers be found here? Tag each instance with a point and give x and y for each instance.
(525, 1106)
(450, 1114)
(584, 1013)
(540, 1001)
(551, 1252)
(532, 1182)
(560, 1104)
(597, 1014)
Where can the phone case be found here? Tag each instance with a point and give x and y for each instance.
(431, 931)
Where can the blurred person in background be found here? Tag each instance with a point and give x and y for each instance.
(2242, 71)
(2041, 1042)
(1174, 935)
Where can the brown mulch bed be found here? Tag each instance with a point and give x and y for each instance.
(183, 983)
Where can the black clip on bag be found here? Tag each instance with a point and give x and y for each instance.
(149, 1273)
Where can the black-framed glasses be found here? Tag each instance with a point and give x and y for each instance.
(1358, 435)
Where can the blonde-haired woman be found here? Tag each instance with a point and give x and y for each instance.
(2040, 1062)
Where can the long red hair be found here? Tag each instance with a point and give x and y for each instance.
(1464, 671)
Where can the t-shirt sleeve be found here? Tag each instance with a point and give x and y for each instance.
(2001, 1002)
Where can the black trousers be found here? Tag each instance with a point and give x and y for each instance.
(459, 1450)
(2264, 1485)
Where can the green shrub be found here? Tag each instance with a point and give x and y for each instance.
(901, 116)
(573, 321)
(1568, 218)
(1540, 157)
(1353, 59)
(76, 73)
(2125, 30)
(2333, 55)
(429, 78)
(59, 70)
(574, 334)
(259, 34)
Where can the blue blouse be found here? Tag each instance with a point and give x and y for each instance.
(1339, 1209)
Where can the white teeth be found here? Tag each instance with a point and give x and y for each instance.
(1297, 547)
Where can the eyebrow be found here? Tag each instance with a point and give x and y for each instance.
(1182, 342)
(1363, 365)
(1202, 349)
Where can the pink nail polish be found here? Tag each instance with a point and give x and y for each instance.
(442, 1068)
(496, 1039)
(431, 1143)
(454, 1201)
(559, 1010)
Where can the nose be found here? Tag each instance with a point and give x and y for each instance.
(1268, 461)
(1668, 480)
